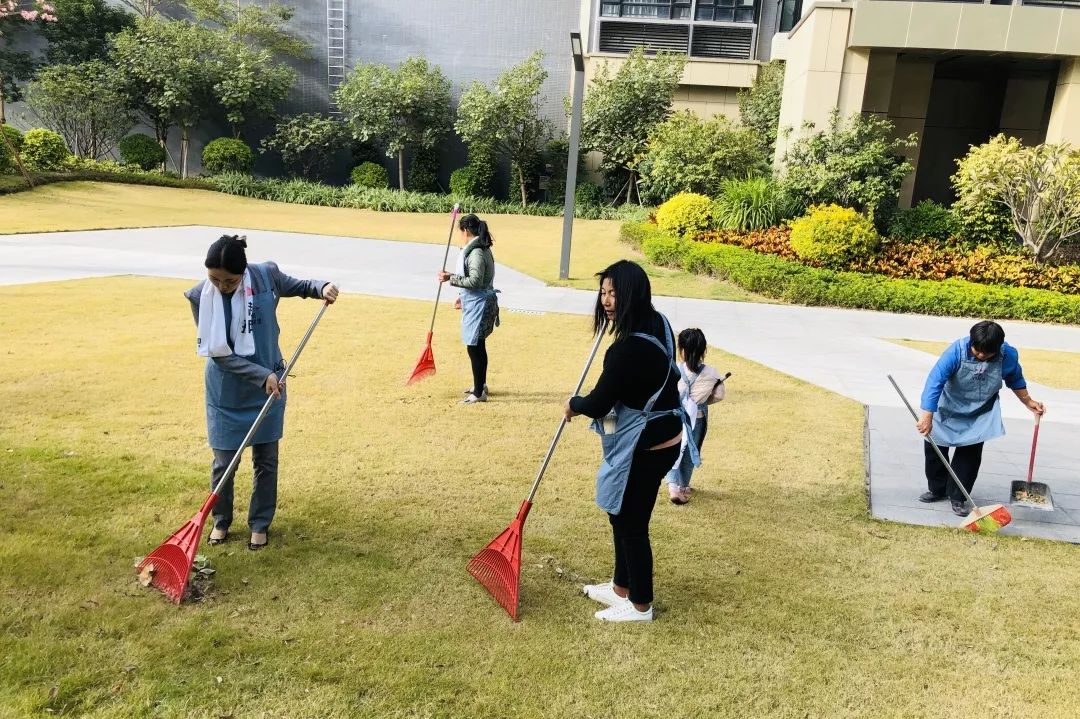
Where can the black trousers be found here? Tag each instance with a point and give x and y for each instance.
(263, 505)
(478, 357)
(630, 527)
(965, 462)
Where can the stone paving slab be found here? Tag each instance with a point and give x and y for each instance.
(895, 475)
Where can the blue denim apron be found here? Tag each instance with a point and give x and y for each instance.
(618, 446)
(233, 403)
(474, 306)
(969, 410)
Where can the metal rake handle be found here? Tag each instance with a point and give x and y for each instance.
(562, 423)
(269, 401)
(933, 444)
(446, 256)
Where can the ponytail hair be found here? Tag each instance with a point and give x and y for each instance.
(477, 228)
(228, 253)
(692, 344)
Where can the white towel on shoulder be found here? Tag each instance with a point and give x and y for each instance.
(212, 340)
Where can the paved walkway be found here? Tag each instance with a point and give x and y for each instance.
(844, 351)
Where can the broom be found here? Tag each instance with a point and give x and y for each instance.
(425, 366)
(498, 565)
(168, 567)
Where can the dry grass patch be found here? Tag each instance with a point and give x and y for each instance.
(776, 595)
(1051, 368)
(529, 244)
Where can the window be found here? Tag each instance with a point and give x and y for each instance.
(790, 12)
(726, 10)
(647, 9)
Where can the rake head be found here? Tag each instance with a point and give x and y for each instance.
(169, 566)
(425, 366)
(498, 565)
(987, 520)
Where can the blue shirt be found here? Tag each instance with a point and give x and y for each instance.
(949, 363)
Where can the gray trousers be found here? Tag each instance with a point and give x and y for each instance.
(263, 504)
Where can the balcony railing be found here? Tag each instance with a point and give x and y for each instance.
(720, 29)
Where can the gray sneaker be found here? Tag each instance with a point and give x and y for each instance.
(471, 398)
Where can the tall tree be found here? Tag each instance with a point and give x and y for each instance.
(16, 64)
(250, 84)
(409, 107)
(507, 117)
(621, 110)
(759, 107)
(84, 103)
(252, 25)
(84, 34)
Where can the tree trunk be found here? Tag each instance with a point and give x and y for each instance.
(183, 152)
(401, 169)
(3, 116)
(521, 184)
(163, 139)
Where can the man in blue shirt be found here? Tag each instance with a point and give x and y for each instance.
(961, 408)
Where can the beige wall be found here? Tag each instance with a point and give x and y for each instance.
(1065, 115)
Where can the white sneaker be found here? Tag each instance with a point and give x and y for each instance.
(624, 613)
(603, 593)
(471, 398)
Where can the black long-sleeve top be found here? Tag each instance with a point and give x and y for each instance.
(634, 368)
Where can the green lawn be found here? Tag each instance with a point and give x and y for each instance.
(529, 244)
(776, 595)
(1054, 369)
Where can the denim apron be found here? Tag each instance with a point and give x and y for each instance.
(233, 403)
(477, 308)
(969, 410)
(691, 408)
(618, 445)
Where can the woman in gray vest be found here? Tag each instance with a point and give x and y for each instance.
(235, 310)
(479, 304)
(961, 408)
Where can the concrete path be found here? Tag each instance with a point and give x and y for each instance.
(844, 351)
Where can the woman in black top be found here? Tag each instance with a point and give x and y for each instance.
(634, 369)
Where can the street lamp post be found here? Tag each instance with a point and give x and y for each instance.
(572, 160)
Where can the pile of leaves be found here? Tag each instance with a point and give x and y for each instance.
(199, 583)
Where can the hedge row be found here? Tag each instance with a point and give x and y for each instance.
(792, 282)
(15, 183)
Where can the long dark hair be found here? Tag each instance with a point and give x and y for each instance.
(228, 253)
(692, 344)
(477, 228)
(633, 299)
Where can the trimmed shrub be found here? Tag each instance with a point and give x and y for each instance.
(227, 154)
(685, 214)
(751, 204)
(465, 182)
(588, 194)
(369, 174)
(15, 138)
(424, 172)
(983, 217)
(43, 150)
(142, 151)
(925, 221)
(796, 283)
(833, 236)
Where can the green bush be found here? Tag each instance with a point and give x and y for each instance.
(983, 217)
(424, 172)
(15, 138)
(464, 182)
(796, 283)
(685, 214)
(751, 204)
(142, 151)
(227, 154)
(925, 221)
(588, 194)
(43, 150)
(368, 174)
(833, 236)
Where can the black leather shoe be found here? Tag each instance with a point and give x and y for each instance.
(929, 497)
(959, 508)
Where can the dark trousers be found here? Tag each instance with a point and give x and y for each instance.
(630, 527)
(479, 359)
(965, 462)
(263, 503)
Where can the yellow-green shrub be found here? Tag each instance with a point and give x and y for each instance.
(685, 214)
(833, 236)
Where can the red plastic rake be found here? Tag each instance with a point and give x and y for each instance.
(498, 565)
(169, 566)
(425, 366)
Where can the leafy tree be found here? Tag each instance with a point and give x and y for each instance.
(759, 107)
(621, 110)
(983, 217)
(306, 143)
(688, 154)
(252, 25)
(17, 65)
(398, 109)
(84, 34)
(168, 71)
(84, 103)
(145, 9)
(1041, 187)
(856, 164)
(506, 117)
(249, 83)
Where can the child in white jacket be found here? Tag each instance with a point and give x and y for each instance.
(698, 379)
